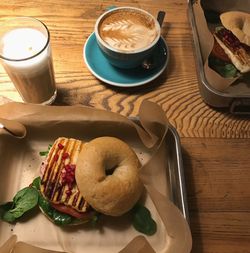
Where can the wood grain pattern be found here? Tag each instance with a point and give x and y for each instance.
(71, 22)
(218, 193)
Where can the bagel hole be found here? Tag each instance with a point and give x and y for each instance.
(110, 170)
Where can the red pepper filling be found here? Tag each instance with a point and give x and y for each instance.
(229, 39)
(68, 210)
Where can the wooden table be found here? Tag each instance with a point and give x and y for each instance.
(215, 144)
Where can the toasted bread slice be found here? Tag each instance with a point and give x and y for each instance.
(239, 56)
(238, 23)
(58, 183)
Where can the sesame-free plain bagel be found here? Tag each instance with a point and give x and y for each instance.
(238, 23)
(107, 175)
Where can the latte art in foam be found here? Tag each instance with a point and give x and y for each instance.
(128, 32)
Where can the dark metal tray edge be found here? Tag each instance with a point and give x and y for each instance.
(178, 193)
(177, 177)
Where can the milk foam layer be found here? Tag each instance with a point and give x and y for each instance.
(128, 30)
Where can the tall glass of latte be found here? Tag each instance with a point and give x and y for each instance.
(25, 54)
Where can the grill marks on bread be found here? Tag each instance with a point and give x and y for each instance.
(237, 53)
(58, 183)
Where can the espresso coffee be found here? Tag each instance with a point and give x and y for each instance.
(128, 30)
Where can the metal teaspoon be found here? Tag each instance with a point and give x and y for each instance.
(149, 62)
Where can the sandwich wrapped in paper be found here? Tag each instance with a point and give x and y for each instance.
(224, 32)
(230, 45)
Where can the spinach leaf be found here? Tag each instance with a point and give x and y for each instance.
(227, 70)
(5, 207)
(45, 206)
(9, 217)
(36, 183)
(25, 200)
(4, 214)
(142, 220)
(61, 218)
(45, 153)
(57, 217)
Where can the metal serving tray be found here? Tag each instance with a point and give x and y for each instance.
(236, 98)
(176, 172)
(21, 171)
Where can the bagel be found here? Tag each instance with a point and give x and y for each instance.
(107, 175)
(238, 23)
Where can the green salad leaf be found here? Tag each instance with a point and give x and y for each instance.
(45, 153)
(61, 218)
(25, 200)
(142, 220)
(4, 214)
(57, 217)
(31, 197)
(227, 70)
(36, 183)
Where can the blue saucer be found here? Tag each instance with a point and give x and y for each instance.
(103, 70)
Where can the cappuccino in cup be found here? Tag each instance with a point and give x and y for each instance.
(128, 30)
(127, 35)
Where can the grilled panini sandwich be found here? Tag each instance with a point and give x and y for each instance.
(238, 53)
(58, 183)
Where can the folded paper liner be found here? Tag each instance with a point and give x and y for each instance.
(206, 38)
(150, 133)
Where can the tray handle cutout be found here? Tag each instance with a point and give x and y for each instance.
(240, 106)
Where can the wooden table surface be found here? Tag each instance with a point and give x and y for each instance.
(215, 144)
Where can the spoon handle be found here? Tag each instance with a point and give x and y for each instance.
(13, 127)
(160, 17)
